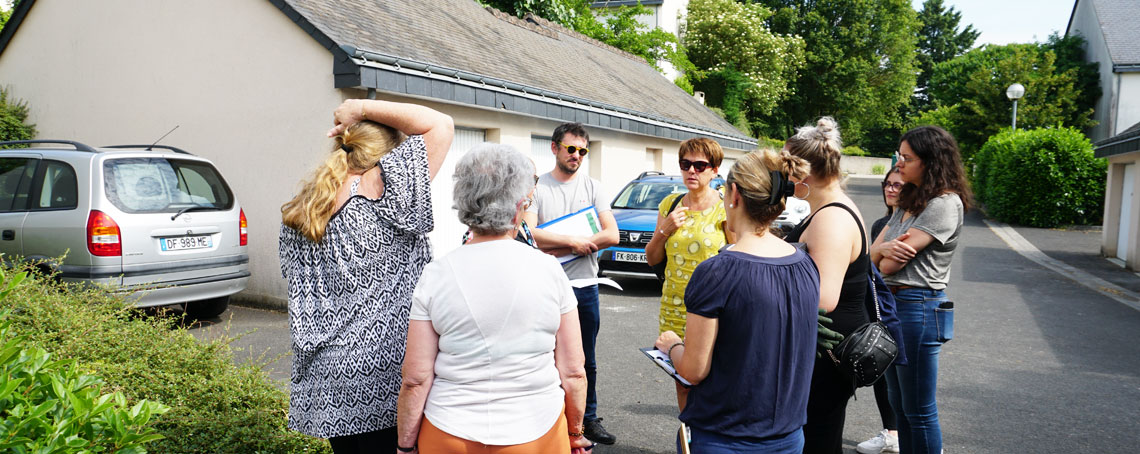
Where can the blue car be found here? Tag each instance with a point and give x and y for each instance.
(635, 209)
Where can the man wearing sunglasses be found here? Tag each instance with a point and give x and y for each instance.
(558, 193)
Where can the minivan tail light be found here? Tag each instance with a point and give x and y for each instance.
(242, 229)
(103, 237)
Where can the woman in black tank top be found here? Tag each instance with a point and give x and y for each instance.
(837, 244)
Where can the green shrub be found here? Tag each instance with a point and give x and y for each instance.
(878, 169)
(49, 406)
(775, 144)
(1041, 178)
(13, 115)
(853, 150)
(215, 405)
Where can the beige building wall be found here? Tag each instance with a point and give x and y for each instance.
(247, 88)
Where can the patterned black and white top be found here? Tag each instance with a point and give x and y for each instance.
(349, 298)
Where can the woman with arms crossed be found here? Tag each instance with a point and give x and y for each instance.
(914, 253)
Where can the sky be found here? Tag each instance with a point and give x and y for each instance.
(1011, 21)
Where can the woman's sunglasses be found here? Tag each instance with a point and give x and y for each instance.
(572, 149)
(699, 165)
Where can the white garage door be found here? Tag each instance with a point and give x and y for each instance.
(449, 231)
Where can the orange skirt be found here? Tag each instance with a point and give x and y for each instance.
(433, 441)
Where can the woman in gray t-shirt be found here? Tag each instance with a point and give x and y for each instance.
(914, 252)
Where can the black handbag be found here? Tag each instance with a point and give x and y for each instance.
(866, 353)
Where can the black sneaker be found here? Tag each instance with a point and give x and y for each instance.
(597, 434)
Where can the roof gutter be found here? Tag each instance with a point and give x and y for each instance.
(1128, 68)
(375, 59)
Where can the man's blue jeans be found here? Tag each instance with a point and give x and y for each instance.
(911, 388)
(590, 318)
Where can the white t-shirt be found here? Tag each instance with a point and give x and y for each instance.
(554, 199)
(496, 307)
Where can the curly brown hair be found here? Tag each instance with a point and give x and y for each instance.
(942, 169)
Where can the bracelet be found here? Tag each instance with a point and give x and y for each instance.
(662, 231)
(577, 434)
(671, 347)
(403, 449)
(362, 118)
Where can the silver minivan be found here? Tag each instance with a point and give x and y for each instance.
(161, 227)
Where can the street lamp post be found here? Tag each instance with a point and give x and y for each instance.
(1015, 92)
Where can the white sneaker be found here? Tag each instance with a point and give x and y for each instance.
(883, 442)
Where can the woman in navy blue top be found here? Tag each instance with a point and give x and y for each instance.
(750, 337)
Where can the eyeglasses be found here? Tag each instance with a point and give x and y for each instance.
(904, 160)
(893, 186)
(699, 165)
(572, 149)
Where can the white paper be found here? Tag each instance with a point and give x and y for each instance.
(583, 223)
(579, 283)
(662, 360)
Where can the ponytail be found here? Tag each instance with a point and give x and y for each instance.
(359, 148)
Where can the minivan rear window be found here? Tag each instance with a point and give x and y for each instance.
(154, 185)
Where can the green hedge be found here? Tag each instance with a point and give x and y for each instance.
(215, 405)
(1040, 178)
(767, 142)
(854, 150)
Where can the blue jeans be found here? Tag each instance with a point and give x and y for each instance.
(589, 318)
(704, 442)
(911, 388)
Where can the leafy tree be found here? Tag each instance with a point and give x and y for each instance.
(13, 117)
(939, 40)
(622, 30)
(968, 93)
(561, 11)
(741, 66)
(859, 63)
(1071, 55)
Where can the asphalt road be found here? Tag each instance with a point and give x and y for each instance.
(1038, 364)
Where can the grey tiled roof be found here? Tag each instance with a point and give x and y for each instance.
(1120, 23)
(462, 35)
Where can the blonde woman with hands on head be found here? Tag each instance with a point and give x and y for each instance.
(352, 245)
(750, 336)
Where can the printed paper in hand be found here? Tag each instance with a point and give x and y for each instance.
(662, 360)
(583, 222)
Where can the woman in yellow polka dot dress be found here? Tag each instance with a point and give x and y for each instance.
(692, 232)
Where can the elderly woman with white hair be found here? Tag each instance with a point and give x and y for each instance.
(494, 330)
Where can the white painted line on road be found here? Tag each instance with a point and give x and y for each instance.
(1022, 246)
